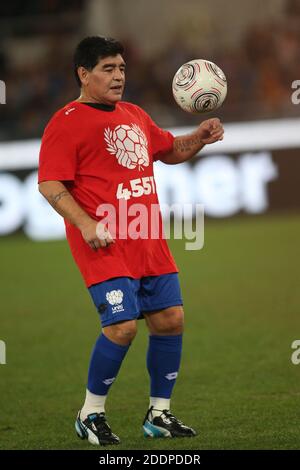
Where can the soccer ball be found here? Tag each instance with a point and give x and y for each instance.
(199, 86)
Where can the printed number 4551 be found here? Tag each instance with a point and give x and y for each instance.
(138, 187)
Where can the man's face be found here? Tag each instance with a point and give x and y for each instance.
(105, 82)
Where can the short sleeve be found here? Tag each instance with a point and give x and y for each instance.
(161, 140)
(58, 154)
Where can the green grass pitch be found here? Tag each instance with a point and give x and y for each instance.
(237, 385)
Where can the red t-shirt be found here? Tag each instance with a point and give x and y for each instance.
(104, 157)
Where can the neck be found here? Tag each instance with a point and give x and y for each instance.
(87, 98)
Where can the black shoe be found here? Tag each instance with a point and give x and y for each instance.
(165, 425)
(96, 429)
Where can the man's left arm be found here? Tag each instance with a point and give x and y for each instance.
(186, 146)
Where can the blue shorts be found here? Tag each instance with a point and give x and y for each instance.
(124, 298)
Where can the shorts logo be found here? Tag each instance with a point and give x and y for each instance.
(171, 376)
(115, 298)
(102, 308)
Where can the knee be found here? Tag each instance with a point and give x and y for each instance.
(174, 326)
(169, 323)
(121, 333)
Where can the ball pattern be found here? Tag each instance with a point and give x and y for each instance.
(199, 86)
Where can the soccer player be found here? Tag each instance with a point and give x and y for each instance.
(96, 152)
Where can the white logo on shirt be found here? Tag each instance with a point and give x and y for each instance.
(69, 111)
(129, 144)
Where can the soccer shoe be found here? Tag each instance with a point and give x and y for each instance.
(165, 425)
(95, 429)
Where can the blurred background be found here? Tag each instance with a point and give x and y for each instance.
(258, 47)
(241, 291)
(256, 44)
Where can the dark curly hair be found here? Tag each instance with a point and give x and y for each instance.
(93, 48)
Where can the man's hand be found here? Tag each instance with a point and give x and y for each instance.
(96, 235)
(186, 146)
(210, 131)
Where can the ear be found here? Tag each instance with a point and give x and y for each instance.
(83, 75)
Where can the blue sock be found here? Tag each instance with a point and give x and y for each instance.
(105, 363)
(163, 360)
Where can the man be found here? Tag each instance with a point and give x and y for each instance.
(99, 150)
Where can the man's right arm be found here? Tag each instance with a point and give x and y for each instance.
(63, 202)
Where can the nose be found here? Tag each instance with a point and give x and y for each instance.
(118, 75)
